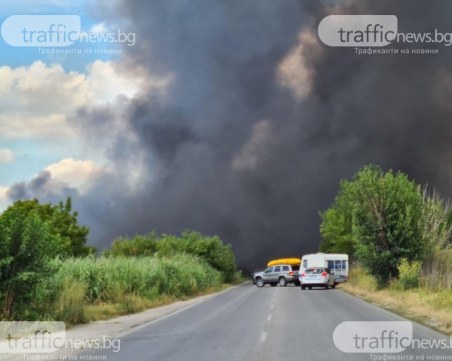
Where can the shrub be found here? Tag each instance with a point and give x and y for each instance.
(210, 249)
(409, 274)
(25, 247)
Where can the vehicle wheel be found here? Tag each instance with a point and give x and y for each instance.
(310, 287)
(282, 282)
(303, 287)
(273, 284)
(260, 282)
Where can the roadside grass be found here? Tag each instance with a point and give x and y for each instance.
(88, 289)
(133, 304)
(430, 306)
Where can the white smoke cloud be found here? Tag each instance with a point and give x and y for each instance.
(293, 72)
(78, 174)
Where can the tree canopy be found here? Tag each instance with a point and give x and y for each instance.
(61, 221)
(380, 218)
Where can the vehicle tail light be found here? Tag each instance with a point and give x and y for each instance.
(324, 274)
(290, 273)
(302, 275)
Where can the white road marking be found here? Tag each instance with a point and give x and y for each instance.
(272, 306)
(269, 318)
(263, 336)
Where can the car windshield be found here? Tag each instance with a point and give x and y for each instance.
(314, 271)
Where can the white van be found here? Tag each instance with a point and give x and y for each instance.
(336, 262)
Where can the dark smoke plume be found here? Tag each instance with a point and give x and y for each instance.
(261, 120)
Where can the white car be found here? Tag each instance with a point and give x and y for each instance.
(317, 277)
(337, 263)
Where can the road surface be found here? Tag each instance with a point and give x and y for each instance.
(248, 323)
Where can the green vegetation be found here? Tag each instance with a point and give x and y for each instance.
(122, 281)
(26, 245)
(210, 249)
(437, 270)
(47, 272)
(61, 222)
(431, 306)
(409, 274)
(381, 218)
(399, 238)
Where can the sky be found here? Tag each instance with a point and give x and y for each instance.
(228, 118)
(41, 92)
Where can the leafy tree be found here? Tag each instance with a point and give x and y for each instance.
(384, 215)
(389, 212)
(212, 249)
(26, 245)
(61, 221)
(337, 227)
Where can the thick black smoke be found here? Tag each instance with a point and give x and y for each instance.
(239, 149)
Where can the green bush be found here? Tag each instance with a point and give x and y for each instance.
(140, 245)
(25, 247)
(409, 274)
(210, 249)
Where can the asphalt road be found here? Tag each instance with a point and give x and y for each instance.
(249, 324)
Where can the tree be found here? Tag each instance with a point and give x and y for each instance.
(26, 245)
(385, 216)
(389, 211)
(220, 256)
(61, 221)
(337, 227)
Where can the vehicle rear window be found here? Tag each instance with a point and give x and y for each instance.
(295, 268)
(314, 271)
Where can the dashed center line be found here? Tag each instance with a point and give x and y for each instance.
(272, 306)
(269, 318)
(263, 336)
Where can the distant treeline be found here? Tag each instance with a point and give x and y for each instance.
(210, 249)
